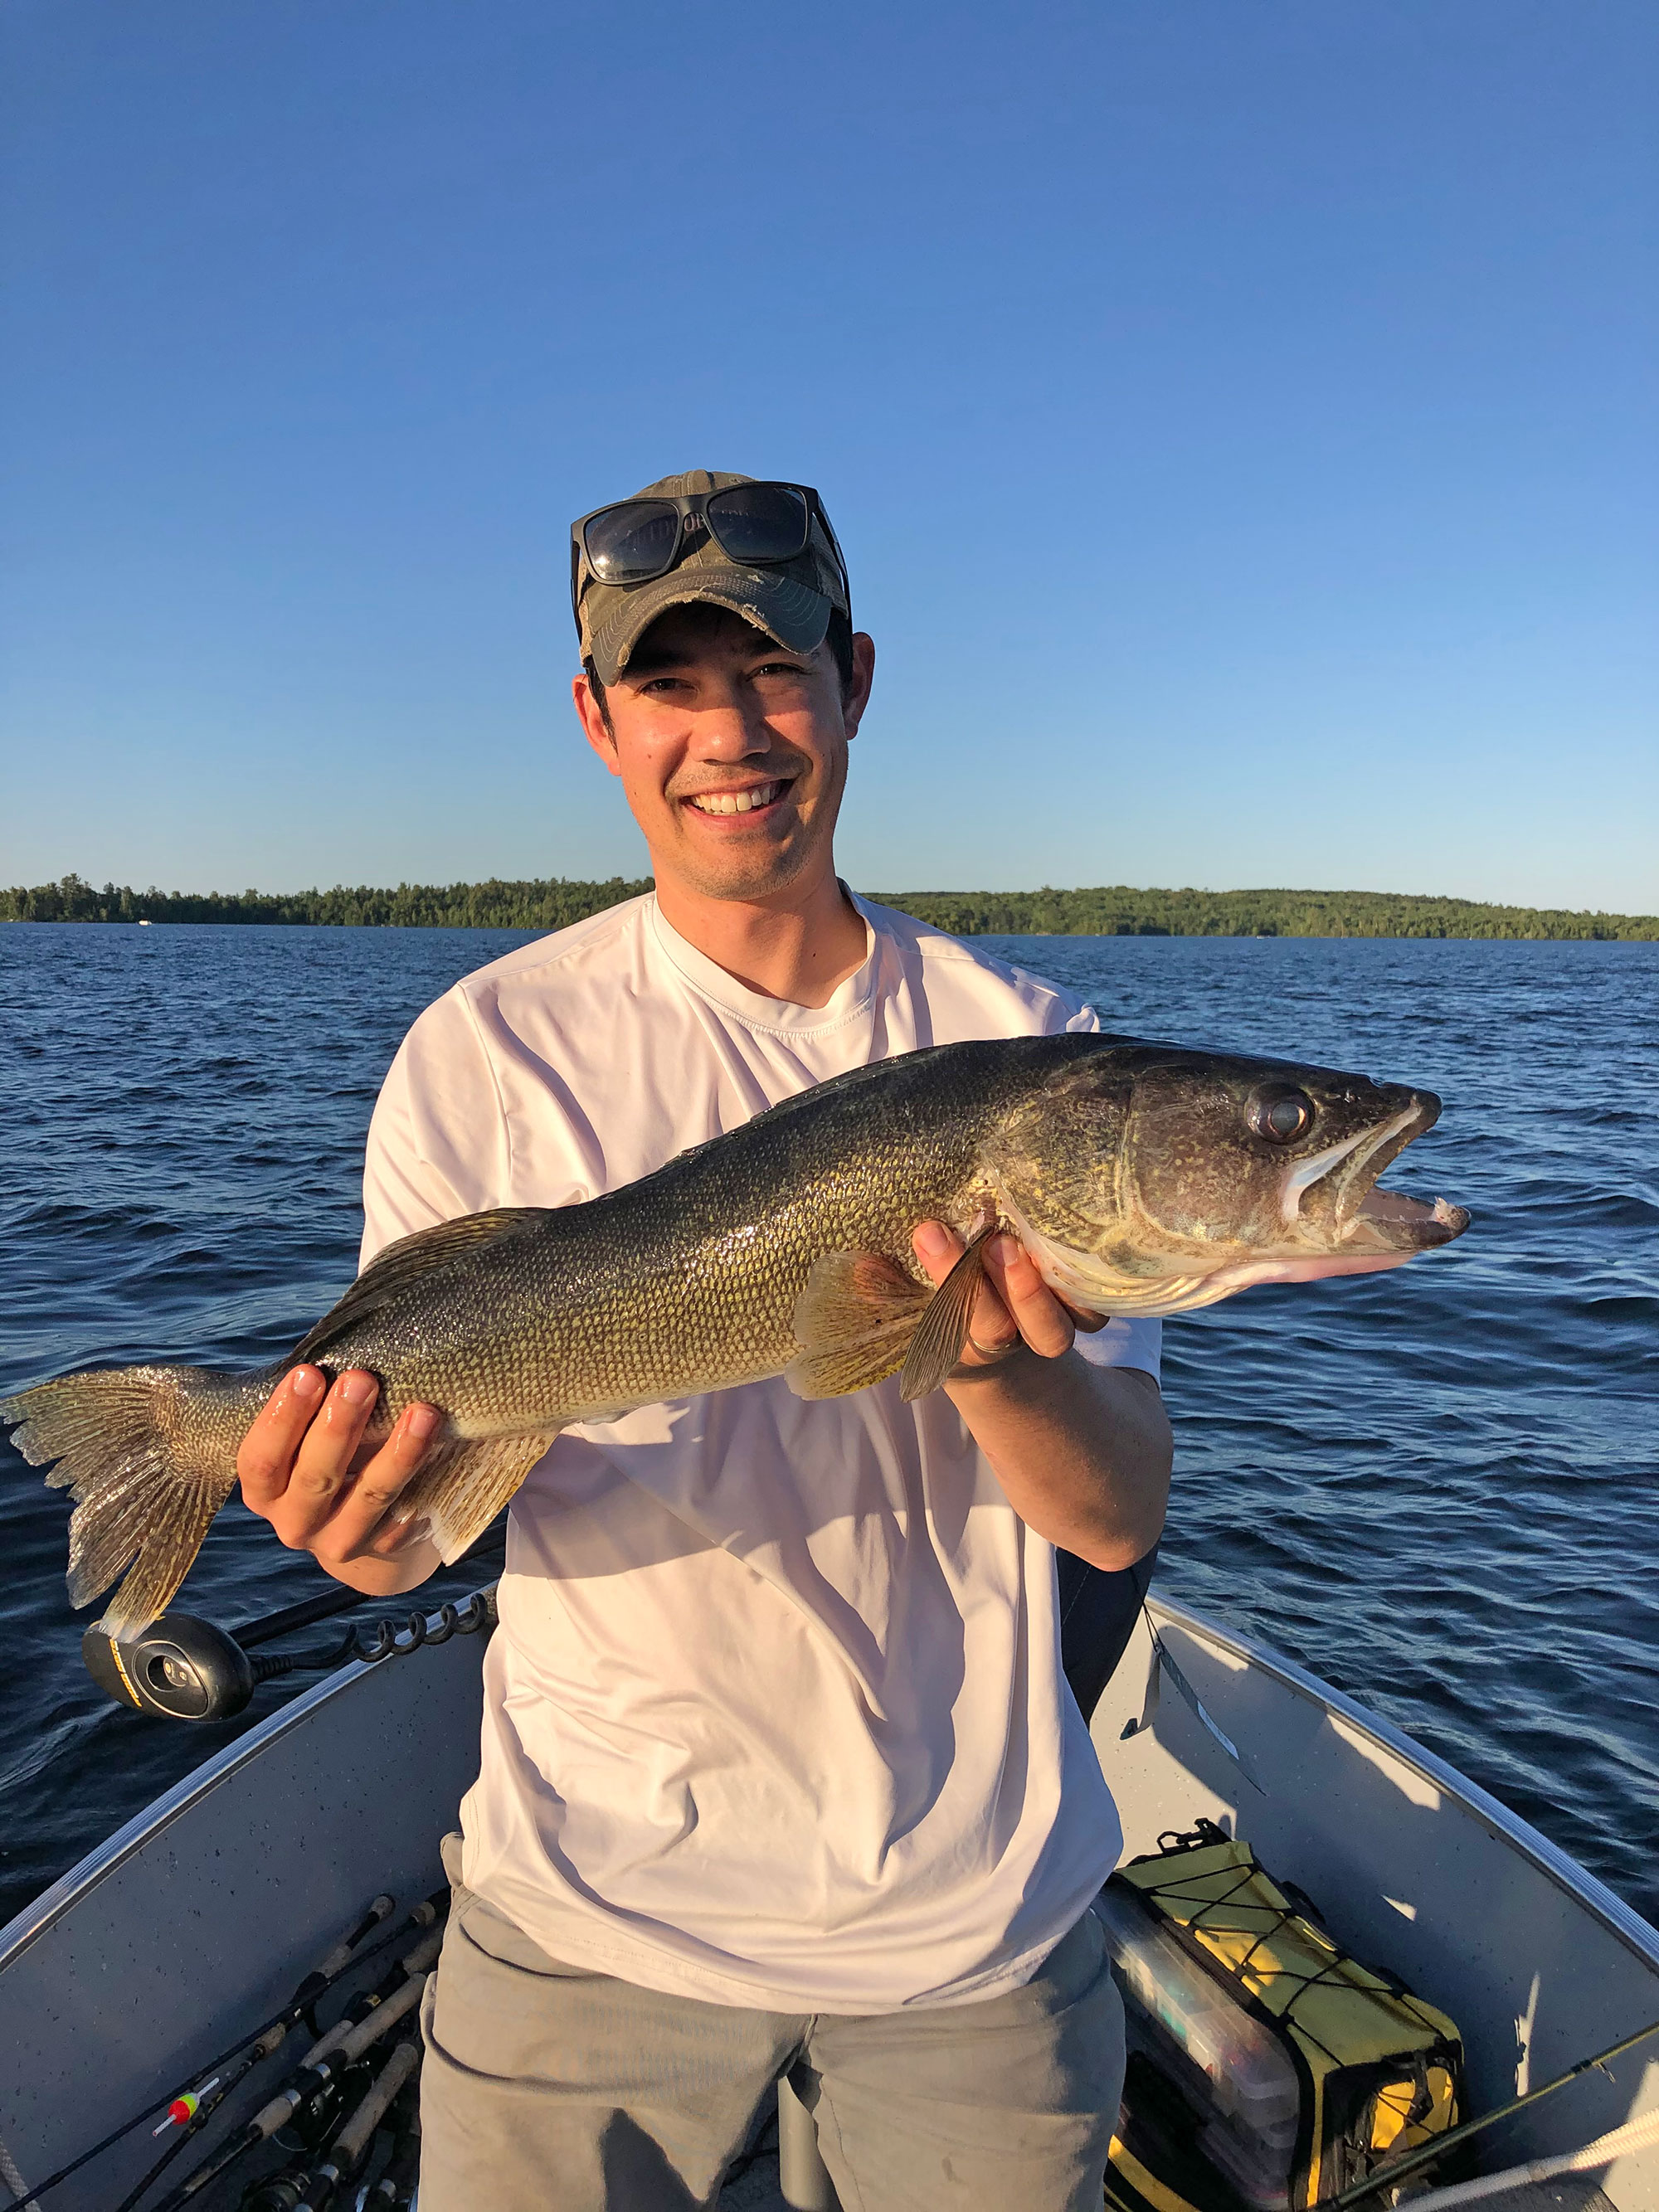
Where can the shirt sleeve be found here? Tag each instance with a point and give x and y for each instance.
(1124, 1344)
(437, 1143)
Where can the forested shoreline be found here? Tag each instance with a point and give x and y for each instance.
(1112, 911)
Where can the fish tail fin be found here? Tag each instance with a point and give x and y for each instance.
(148, 1453)
(463, 1486)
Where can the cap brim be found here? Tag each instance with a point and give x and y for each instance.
(792, 615)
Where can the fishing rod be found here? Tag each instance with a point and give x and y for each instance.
(1426, 2153)
(395, 2190)
(310, 1610)
(314, 1986)
(192, 2112)
(314, 2188)
(308, 2087)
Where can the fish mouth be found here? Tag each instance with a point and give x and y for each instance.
(1369, 1218)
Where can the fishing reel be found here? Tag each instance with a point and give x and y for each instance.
(182, 1668)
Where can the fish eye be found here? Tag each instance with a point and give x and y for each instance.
(1283, 1116)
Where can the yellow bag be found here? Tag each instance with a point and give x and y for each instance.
(1267, 2068)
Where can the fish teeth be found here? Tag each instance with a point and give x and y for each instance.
(736, 802)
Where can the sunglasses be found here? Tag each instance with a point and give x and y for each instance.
(756, 525)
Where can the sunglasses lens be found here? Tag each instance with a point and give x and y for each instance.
(760, 522)
(627, 544)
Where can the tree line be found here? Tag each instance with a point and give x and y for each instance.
(1118, 911)
(1114, 911)
(494, 905)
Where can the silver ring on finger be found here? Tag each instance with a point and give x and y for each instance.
(992, 1352)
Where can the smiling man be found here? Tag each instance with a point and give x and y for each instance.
(780, 1771)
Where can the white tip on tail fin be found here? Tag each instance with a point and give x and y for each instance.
(148, 1454)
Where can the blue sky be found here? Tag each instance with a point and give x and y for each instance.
(1239, 415)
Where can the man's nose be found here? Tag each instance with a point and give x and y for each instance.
(729, 729)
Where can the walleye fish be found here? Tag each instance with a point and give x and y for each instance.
(1143, 1178)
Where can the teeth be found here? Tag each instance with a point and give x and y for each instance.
(736, 802)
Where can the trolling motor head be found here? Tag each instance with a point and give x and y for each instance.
(185, 1668)
(180, 1669)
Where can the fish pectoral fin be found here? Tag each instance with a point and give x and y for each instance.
(936, 1345)
(408, 1262)
(853, 1323)
(463, 1486)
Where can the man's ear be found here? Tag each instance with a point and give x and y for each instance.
(592, 716)
(864, 675)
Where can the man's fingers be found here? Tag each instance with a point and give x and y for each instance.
(322, 1466)
(355, 1525)
(1026, 1299)
(266, 1457)
(938, 1248)
(1013, 1302)
(990, 1330)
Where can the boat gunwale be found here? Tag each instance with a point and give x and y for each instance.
(1620, 1919)
(37, 1919)
(1585, 1889)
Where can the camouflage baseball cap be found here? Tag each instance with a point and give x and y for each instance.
(791, 601)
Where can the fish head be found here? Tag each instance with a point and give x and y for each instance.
(1278, 1157)
(1151, 1178)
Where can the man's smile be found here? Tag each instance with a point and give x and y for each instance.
(740, 799)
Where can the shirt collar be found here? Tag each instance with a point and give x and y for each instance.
(780, 1017)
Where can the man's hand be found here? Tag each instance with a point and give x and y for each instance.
(1014, 1304)
(1081, 1452)
(305, 1467)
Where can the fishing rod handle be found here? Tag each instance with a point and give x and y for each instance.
(374, 1914)
(383, 2017)
(354, 2137)
(342, 1954)
(334, 2053)
(395, 2190)
(371, 2006)
(424, 1956)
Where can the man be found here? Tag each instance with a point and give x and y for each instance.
(779, 1771)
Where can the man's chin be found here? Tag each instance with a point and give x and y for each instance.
(752, 868)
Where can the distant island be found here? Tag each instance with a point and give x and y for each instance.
(1114, 911)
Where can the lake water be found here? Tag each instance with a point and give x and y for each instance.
(1435, 1487)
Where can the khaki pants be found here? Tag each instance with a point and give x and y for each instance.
(547, 2088)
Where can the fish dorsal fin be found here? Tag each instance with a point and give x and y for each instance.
(943, 1330)
(407, 1261)
(853, 1323)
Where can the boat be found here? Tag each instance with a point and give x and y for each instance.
(313, 1838)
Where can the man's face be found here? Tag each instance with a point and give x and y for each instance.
(731, 750)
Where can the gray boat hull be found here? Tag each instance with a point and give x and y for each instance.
(196, 1920)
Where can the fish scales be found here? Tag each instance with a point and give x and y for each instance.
(1143, 1178)
(685, 1281)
